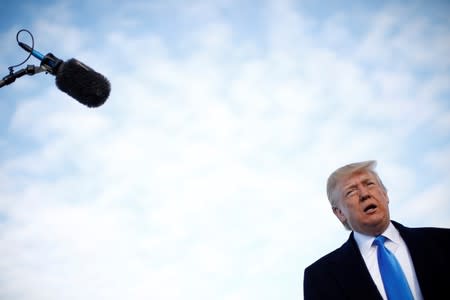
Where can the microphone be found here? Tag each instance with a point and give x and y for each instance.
(74, 78)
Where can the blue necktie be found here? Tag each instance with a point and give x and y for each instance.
(394, 280)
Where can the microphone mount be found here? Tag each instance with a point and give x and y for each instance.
(49, 65)
(29, 70)
(49, 62)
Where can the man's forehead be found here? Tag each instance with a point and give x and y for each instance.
(356, 177)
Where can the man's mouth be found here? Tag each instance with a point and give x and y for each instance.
(370, 208)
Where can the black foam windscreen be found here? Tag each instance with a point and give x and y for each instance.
(82, 83)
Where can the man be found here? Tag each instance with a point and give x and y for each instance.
(359, 269)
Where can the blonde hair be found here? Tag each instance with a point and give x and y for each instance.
(347, 170)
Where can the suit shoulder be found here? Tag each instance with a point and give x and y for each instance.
(326, 259)
(433, 235)
(435, 232)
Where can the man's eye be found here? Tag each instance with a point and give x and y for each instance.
(349, 193)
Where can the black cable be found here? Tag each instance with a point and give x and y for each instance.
(11, 69)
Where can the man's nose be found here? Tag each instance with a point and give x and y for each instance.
(363, 193)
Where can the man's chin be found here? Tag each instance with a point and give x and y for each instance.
(375, 225)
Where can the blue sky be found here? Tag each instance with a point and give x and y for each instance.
(203, 175)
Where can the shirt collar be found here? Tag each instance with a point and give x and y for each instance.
(365, 241)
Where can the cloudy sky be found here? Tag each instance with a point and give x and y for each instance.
(203, 175)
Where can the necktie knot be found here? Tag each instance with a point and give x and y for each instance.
(379, 240)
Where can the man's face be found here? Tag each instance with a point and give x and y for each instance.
(362, 203)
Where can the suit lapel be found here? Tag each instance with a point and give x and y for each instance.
(418, 254)
(352, 274)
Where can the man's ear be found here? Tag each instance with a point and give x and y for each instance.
(338, 212)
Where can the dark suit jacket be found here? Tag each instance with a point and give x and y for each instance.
(342, 274)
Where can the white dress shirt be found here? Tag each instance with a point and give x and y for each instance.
(397, 246)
